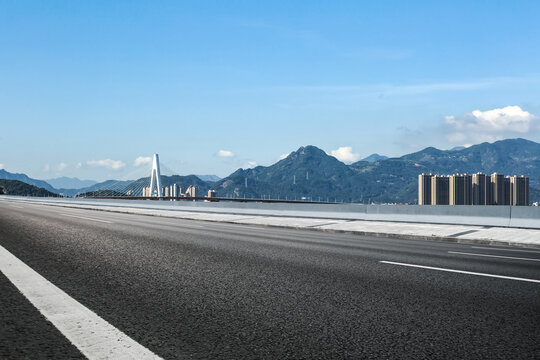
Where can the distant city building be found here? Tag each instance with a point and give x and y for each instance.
(146, 191)
(424, 189)
(507, 192)
(212, 194)
(173, 190)
(478, 189)
(497, 189)
(440, 190)
(481, 189)
(520, 190)
(460, 189)
(191, 191)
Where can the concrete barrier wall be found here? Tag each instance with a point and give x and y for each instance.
(506, 216)
(525, 217)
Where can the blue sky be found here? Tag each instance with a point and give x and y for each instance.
(87, 87)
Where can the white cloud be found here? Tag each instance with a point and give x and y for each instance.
(1, 166)
(250, 165)
(345, 154)
(108, 163)
(509, 118)
(79, 165)
(46, 168)
(142, 160)
(284, 156)
(490, 125)
(225, 153)
(62, 166)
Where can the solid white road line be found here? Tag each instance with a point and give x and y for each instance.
(493, 256)
(93, 336)
(461, 271)
(87, 218)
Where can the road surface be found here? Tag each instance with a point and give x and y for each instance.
(198, 290)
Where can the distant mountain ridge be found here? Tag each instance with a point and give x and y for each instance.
(20, 188)
(374, 157)
(311, 173)
(24, 178)
(210, 178)
(70, 183)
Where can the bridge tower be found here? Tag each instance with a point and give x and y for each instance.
(155, 179)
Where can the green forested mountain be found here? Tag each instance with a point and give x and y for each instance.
(19, 188)
(307, 172)
(310, 172)
(6, 175)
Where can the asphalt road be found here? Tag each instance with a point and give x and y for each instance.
(189, 289)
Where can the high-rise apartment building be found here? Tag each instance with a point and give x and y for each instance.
(191, 191)
(460, 189)
(507, 191)
(520, 190)
(497, 189)
(146, 191)
(440, 190)
(481, 189)
(478, 189)
(424, 189)
(173, 190)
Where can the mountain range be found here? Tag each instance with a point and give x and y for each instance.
(311, 173)
(374, 157)
(16, 187)
(70, 183)
(5, 175)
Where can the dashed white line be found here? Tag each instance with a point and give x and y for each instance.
(503, 249)
(493, 256)
(93, 336)
(87, 218)
(461, 271)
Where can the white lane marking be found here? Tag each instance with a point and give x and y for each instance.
(87, 218)
(503, 249)
(494, 256)
(93, 336)
(461, 271)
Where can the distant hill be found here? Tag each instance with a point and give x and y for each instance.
(19, 188)
(311, 173)
(374, 157)
(24, 178)
(307, 172)
(101, 193)
(209, 178)
(134, 187)
(70, 183)
(397, 177)
(181, 181)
